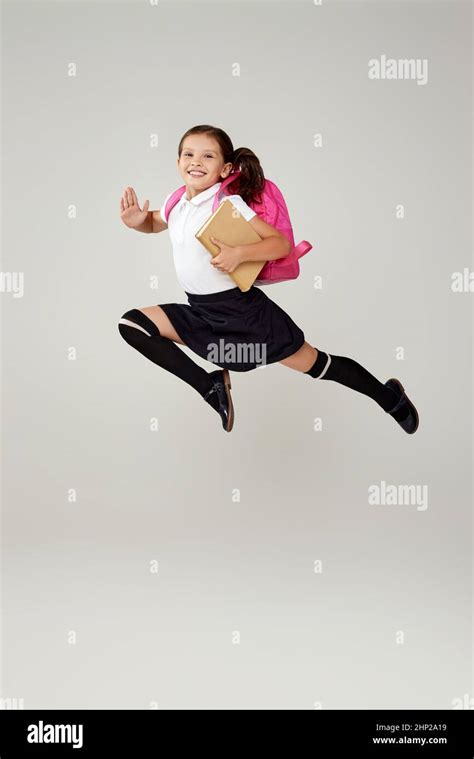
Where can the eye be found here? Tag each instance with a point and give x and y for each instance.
(207, 156)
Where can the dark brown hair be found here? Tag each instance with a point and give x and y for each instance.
(251, 180)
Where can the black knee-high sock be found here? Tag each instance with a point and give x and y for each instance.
(351, 374)
(147, 339)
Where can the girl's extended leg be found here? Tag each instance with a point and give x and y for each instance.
(303, 359)
(347, 372)
(150, 332)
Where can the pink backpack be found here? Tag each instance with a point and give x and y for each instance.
(274, 211)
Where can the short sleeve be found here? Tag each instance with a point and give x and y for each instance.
(247, 212)
(163, 206)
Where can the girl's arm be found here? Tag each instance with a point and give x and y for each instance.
(157, 223)
(152, 223)
(273, 245)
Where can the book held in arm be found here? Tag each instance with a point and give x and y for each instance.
(229, 226)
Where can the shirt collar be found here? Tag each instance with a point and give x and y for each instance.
(202, 196)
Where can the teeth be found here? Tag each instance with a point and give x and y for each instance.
(196, 173)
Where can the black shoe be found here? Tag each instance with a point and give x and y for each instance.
(411, 421)
(221, 385)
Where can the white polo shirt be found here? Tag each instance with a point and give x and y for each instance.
(192, 260)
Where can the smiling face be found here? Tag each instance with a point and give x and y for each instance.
(201, 163)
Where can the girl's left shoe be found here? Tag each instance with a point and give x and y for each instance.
(411, 421)
(221, 385)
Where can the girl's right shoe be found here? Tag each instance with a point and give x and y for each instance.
(411, 421)
(221, 386)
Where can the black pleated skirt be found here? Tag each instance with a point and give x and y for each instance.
(235, 330)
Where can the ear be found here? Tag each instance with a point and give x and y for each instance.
(226, 170)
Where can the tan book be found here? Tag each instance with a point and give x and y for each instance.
(228, 225)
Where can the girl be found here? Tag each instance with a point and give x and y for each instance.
(218, 314)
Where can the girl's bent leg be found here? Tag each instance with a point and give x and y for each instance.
(144, 334)
(160, 319)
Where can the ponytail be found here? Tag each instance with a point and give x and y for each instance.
(252, 179)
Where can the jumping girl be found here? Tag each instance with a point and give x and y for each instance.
(218, 312)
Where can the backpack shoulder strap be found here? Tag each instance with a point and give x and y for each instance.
(172, 200)
(226, 182)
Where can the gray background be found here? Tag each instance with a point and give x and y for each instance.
(167, 638)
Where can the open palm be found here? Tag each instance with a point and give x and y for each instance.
(130, 212)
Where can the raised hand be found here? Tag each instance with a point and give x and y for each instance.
(130, 212)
